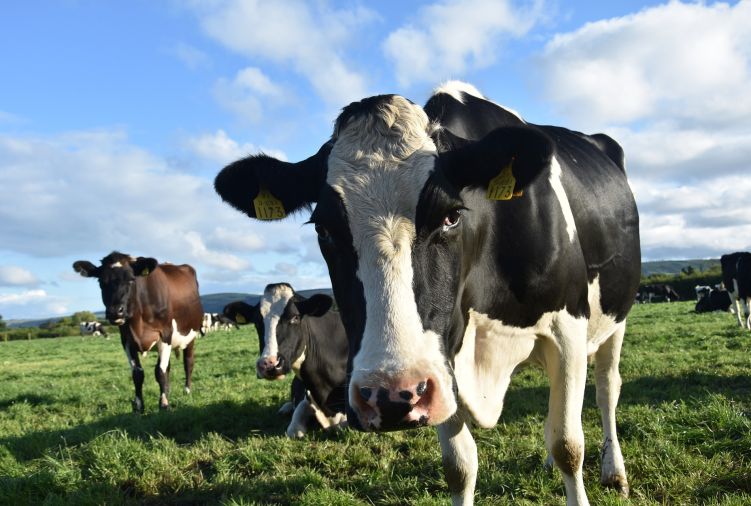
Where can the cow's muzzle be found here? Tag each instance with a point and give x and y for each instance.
(394, 405)
(271, 368)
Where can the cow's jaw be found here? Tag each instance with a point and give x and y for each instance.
(400, 378)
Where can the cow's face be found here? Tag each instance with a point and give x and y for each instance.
(270, 365)
(388, 202)
(292, 332)
(117, 279)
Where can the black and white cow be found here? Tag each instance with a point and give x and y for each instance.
(716, 299)
(736, 276)
(658, 292)
(312, 343)
(92, 329)
(701, 291)
(463, 242)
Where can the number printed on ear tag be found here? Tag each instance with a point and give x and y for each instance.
(267, 206)
(501, 187)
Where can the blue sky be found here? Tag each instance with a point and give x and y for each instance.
(115, 117)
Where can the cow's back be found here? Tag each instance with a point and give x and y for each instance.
(177, 289)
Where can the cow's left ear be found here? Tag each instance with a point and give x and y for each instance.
(316, 305)
(508, 154)
(144, 266)
(86, 269)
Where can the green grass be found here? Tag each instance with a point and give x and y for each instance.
(67, 435)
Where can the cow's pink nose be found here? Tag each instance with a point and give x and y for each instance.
(394, 407)
(270, 367)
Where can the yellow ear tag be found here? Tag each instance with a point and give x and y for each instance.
(240, 319)
(145, 271)
(501, 187)
(267, 206)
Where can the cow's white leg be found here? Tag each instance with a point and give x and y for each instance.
(136, 372)
(566, 365)
(161, 372)
(459, 455)
(298, 427)
(746, 322)
(608, 382)
(736, 302)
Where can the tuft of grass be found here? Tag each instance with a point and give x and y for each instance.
(68, 436)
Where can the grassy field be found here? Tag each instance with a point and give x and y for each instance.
(67, 435)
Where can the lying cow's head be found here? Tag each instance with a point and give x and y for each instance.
(397, 223)
(291, 332)
(117, 277)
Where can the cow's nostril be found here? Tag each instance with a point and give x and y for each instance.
(406, 395)
(365, 393)
(422, 387)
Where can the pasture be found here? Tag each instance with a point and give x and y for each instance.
(67, 434)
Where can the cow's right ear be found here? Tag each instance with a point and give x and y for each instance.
(265, 181)
(316, 305)
(86, 269)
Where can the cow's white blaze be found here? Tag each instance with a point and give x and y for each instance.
(378, 166)
(272, 305)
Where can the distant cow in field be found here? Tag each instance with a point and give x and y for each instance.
(658, 292)
(152, 304)
(92, 329)
(736, 276)
(216, 321)
(713, 300)
(463, 242)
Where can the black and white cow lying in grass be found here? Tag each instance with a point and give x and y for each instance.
(304, 336)
(463, 242)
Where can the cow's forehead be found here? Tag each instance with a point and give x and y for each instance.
(380, 162)
(275, 297)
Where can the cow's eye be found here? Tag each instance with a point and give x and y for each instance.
(323, 234)
(452, 219)
(294, 320)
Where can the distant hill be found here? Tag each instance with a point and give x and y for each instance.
(675, 266)
(212, 303)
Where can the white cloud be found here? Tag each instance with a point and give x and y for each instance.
(220, 148)
(247, 94)
(191, 56)
(453, 36)
(23, 297)
(16, 276)
(649, 65)
(311, 37)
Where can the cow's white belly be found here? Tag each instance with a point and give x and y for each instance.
(179, 340)
(491, 351)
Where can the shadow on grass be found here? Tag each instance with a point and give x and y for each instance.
(694, 387)
(184, 425)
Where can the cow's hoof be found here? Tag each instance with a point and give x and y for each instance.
(618, 483)
(549, 464)
(164, 407)
(187, 390)
(137, 406)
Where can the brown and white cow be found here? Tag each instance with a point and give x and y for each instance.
(463, 242)
(152, 304)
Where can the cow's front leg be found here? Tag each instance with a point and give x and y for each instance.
(188, 359)
(136, 370)
(298, 426)
(161, 372)
(566, 365)
(459, 456)
(608, 382)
